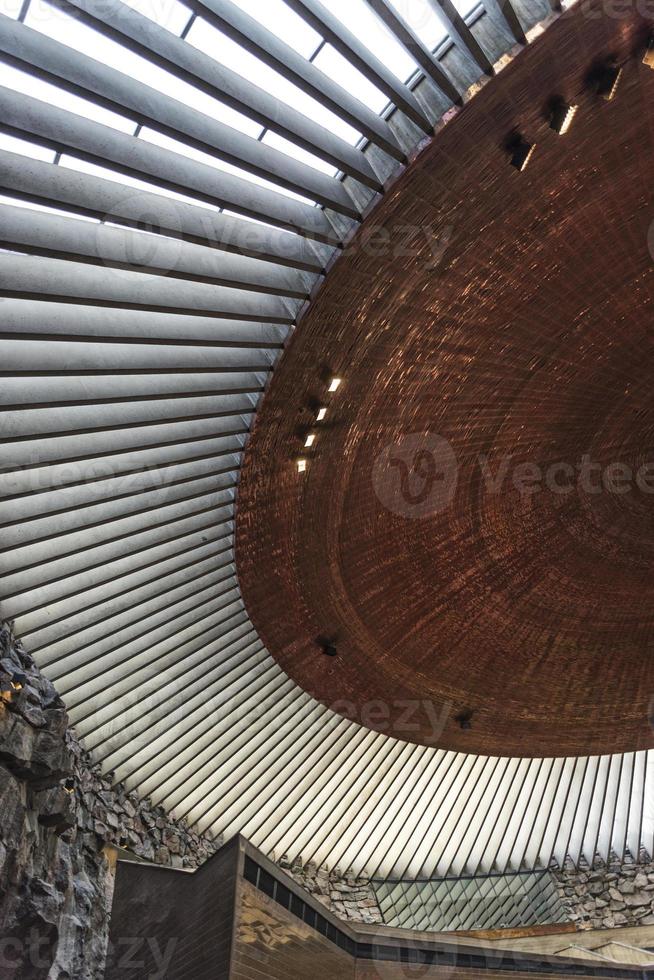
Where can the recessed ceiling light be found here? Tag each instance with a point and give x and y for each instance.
(309, 440)
(334, 384)
(322, 412)
(522, 154)
(562, 117)
(301, 465)
(608, 81)
(649, 54)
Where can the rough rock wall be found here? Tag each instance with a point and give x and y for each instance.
(609, 896)
(59, 818)
(345, 895)
(604, 897)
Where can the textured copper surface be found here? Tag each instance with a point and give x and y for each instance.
(533, 338)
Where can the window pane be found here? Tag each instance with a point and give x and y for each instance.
(359, 18)
(272, 139)
(213, 42)
(283, 22)
(341, 71)
(30, 85)
(27, 149)
(421, 17)
(81, 37)
(85, 167)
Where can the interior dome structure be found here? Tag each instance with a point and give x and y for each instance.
(326, 490)
(473, 527)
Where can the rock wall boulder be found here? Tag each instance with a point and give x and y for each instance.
(608, 896)
(346, 895)
(60, 823)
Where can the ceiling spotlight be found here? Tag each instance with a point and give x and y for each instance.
(334, 384)
(18, 681)
(649, 54)
(69, 785)
(464, 720)
(608, 79)
(521, 154)
(562, 116)
(301, 465)
(322, 412)
(309, 441)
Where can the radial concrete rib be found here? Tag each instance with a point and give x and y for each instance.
(141, 34)
(108, 87)
(68, 132)
(252, 36)
(43, 233)
(46, 278)
(461, 33)
(47, 183)
(362, 57)
(416, 48)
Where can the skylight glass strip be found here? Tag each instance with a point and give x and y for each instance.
(298, 153)
(358, 17)
(280, 20)
(208, 39)
(96, 170)
(81, 37)
(420, 16)
(11, 8)
(336, 67)
(26, 148)
(21, 81)
(168, 143)
(170, 14)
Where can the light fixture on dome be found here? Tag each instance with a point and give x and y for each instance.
(301, 465)
(322, 412)
(334, 384)
(562, 116)
(648, 58)
(608, 79)
(521, 153)
(18, 681)
(69, 785)
(309, 441)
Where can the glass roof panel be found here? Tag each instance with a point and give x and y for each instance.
(340, 70)
(11, 8)
(171, 14)
(360, 19)
(25, 148)
(272, 139)
(205, 37)
(86, 167)
(81, 37)
(422, 18)
(152, 136)
(32, 206)
(283, 22)
(31, 85)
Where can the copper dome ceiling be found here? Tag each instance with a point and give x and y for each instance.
(133, 365)
(474, 530)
